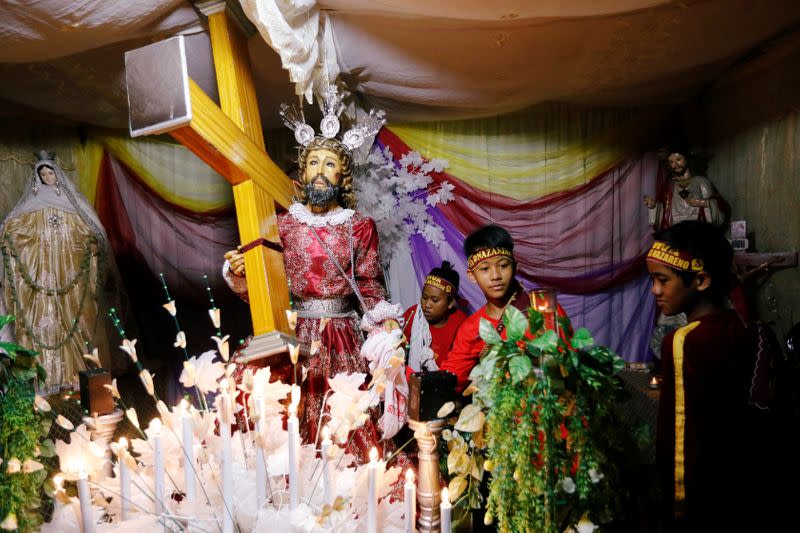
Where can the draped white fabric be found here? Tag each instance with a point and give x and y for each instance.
(418, 59)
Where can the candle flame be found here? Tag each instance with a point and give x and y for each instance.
(223, 385)
(184, 405)
(155, 425)
(373, 455)
(410, 476)
(123, 442)
(445, 495)
(326, 433)
(58, 481)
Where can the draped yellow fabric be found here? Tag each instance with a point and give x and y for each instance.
(678, 342)
(57, 252)
(534, 153)
(173, 173)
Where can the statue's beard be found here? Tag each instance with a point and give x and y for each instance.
(321, 197)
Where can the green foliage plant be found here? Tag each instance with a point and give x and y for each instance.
(22, 436)
(547, 408)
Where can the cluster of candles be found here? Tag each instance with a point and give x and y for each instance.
(225, 417)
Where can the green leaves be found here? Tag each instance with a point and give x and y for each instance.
(535, 320)
(547, 342)
(515, 323)
(582, 339)
(519, 367)
(488, 332)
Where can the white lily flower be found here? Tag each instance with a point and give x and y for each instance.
(180, 340)
(147, 381)
(31, 466)
(222, 347)
(170, 307)
(93, 357)
(202, 372)
(13, 466)
(294, 353)
(112, 388)
(134, 419)
(129, 347)
(291, 318)
(216, 319)
(41, 404)
(64, 423)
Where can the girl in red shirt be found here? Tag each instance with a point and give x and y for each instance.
(431, 325)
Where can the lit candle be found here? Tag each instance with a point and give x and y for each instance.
(224, 417)
(327, 482)
(85, 498)
(187, 441)
(372, 497)
(410, 501)
(158, 465)
(444, 510)
(293, 428)
(653, 382)
(261, 464)
(124, 479)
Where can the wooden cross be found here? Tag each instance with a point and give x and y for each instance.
(229, 139)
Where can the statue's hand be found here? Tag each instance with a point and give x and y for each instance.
(236, 262)
(695, 202)
(649, 201)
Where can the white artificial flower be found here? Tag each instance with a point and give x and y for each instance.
(79, 456)
(215, 315)
(93, 357)
(180, 340)
(568, 485)
(272, 394)
(170, 307)
(595, 476)
(223, 347)
(202, 372)
(129, 347)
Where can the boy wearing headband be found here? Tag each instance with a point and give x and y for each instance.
(490, 264)
(431, 325)
(699, 433)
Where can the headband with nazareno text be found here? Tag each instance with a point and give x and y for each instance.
(440, 283)
(487, 253)
(663, 253)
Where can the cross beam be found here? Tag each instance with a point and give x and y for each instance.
(229, 139)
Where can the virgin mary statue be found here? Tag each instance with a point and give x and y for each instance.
(54, 255)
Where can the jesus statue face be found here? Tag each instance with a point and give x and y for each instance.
(322, 177)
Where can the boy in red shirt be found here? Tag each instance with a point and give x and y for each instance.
(490, 264)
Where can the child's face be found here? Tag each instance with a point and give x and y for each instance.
(434, 304)
(493, 276)
(672, 295)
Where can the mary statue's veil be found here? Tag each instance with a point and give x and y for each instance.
(63, 196)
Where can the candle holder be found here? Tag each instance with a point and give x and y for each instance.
(428, 490)
(544, 300)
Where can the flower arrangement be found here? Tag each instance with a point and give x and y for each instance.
(177, 474)
(540, 415)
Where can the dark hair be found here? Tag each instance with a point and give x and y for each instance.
(708, 243)
(39, 171)
(446, 272)
(488, 237)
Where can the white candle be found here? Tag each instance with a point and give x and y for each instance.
(410, 501)
(372, 497)
(85, 498)
(224, 417)
(444, 510)
(261, 464)
(158, 465)
(187, 442)
(293, 428)
(327, 481)
(124, 480)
